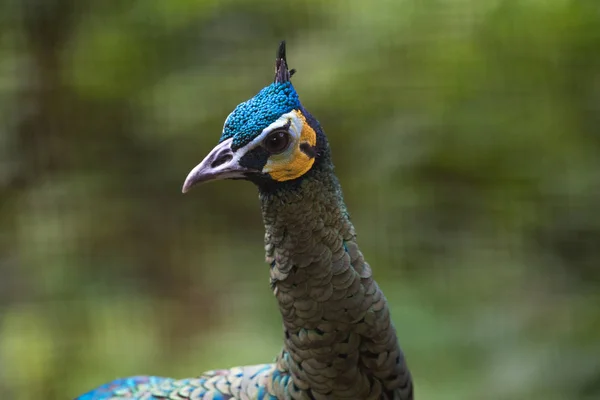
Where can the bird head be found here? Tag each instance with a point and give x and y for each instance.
(270, 139)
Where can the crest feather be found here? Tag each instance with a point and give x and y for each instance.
(282, 74)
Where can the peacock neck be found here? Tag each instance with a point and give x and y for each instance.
(339, 341)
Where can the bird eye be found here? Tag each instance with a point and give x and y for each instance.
(276, 142)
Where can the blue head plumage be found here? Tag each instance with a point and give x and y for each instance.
(251, 117)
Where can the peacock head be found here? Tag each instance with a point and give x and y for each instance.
(270, 139)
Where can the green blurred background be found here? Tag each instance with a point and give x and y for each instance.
(465, 134)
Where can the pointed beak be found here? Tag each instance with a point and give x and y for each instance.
(220, 163)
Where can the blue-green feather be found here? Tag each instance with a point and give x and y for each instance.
(235, 383)
(153, 387)
(131, 384)
(250, 117)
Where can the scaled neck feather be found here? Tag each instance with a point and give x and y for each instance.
(339, 340)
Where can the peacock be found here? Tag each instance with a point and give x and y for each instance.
(339, 341)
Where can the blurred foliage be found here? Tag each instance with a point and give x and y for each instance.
(465, 134)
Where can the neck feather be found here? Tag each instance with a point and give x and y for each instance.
(339, 340)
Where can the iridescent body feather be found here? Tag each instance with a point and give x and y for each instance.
(339, 341)
(248, 382)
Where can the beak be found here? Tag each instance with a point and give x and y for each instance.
(220, 163)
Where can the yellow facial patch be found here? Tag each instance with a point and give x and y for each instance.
(294, 162)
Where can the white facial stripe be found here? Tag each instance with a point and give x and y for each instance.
(295, 128)
(295, 131)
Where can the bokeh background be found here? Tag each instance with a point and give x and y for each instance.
(465, 134)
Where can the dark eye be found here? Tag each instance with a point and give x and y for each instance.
(276, 142)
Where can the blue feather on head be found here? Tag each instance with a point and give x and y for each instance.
(250, 118)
